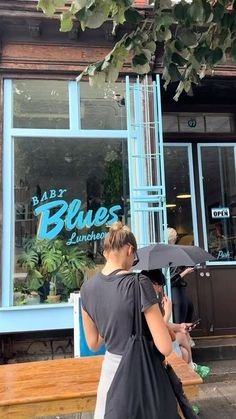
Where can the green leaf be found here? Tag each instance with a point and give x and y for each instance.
(96, 20)
(178, 59)
(216, 56)
(163, 20)
(28, 259)
(51, 260)
(66, 21)
(47, 7)
(142, 69)
(174, 73)
(218, 12)
(164, 34)
(140, 59)
(187, 37)
(179, 45)
(202, 53)
(59, 3)
(82, 14)
(180, 11)
(148, 53)
(35, 280)
(80, 4)
(98, 80)
(151, 46)
(196, 11)
(208, 11)
(133, 16)
(113, 74)
(233, 50)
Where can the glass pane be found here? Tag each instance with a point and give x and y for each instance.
(103, 107)
(219, 184)
(67, 191)
(178, 195)
(40, 104)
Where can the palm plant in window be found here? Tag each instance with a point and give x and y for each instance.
(52, 264)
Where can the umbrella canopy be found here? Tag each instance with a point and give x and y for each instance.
(161, 255)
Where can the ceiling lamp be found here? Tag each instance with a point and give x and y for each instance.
(183, 196)
(170, 205)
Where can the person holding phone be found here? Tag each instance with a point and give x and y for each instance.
(180, 330)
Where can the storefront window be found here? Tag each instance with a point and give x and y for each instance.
(67, 191)
(179, 200)
(40, 104)
(104, 107)
(219, 195)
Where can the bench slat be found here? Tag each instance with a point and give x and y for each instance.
(64, 386)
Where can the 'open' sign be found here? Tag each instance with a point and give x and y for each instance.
(220, 213)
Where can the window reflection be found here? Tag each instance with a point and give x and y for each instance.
(93, 171)
(178, 194)
(40, 104)
(103, 107)
(219, 185)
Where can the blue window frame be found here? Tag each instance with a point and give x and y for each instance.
(147, 189)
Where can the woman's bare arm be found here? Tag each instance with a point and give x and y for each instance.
(94, 340)
(158, 329)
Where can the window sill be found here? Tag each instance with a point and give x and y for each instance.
(40, 317)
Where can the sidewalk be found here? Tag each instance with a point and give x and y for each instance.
(217, 398)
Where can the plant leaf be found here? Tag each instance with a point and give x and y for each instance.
(140, 59)
(133, 16)
(187, 37)
(47, 7)
(66, 21)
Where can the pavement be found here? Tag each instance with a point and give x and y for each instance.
(217, 398)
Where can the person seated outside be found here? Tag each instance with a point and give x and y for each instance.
(181, 330)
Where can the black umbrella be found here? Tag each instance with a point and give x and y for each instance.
(161, 255)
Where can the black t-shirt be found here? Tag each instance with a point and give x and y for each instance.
(109, 301)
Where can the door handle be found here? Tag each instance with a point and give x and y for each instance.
(208, 274)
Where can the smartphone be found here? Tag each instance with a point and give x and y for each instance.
(194, 324)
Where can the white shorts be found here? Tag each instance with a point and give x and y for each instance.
(109, 368)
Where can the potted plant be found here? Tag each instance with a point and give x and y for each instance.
(52, 263)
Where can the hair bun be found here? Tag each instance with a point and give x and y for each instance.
(116, 226)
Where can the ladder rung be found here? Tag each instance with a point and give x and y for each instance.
(149, 188)
(149, 209)
(153, 198)
(145, 156)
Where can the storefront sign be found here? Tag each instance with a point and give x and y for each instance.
(220, 213)
(57, 214)
(223, 255)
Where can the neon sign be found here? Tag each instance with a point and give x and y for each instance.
(58, 214)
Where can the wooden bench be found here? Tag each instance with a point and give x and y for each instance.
(57, 387)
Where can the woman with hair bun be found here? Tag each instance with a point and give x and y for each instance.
(108, 308)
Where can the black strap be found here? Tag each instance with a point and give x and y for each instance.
(137, 323)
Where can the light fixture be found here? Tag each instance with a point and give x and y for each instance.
(170, 205)
(183, 196)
